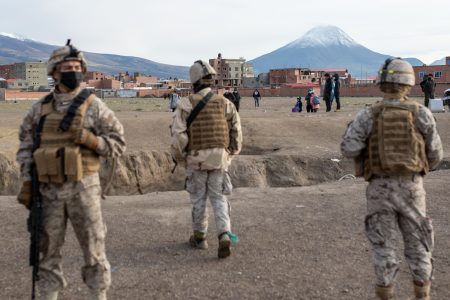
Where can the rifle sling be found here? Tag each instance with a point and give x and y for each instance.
(198, 108)
(71, 112)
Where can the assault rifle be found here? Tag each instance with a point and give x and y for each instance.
(34, 221)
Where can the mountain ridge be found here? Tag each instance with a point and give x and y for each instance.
(15, 48)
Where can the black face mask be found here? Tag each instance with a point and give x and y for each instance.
(71, 80)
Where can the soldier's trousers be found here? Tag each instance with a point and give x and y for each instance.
(79, 202)
(399, 203)
(204, 184)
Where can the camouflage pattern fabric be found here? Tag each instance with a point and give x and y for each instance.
(204, 184)
(79, 202)
(398, 203)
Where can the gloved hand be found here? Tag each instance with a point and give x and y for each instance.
(85, 137)
(24, 196)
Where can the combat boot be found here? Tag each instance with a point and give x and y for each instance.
(385, 292)
(198, 240)
(224, 245)
(49, 295)
(422, 290)
(97, 294)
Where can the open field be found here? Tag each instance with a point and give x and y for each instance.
(300, 242)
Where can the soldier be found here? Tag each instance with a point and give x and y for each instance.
(206, 133)
(395, 143)
(75, 129)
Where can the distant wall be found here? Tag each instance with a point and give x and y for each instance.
(369, 90)
(11, 95)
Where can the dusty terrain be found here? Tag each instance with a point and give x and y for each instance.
(302, 242)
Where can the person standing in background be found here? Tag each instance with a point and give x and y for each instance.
(337, 87)
(256, 97)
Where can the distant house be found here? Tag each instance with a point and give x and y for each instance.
(230, 71)
(278, 77)
(34, 73)
(16, 84)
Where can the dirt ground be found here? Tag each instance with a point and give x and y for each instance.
(296, 243)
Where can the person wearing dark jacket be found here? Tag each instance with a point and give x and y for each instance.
(428, 85)
(337, 87)
(237, 98)
(327, 90)
(256, 97)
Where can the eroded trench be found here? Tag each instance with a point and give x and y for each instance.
(142, 172)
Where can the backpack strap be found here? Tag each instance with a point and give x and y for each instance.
(198, 108)
(71, 112)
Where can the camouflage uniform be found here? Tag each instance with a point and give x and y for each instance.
(77, 201)
(397, 200)
(205, 168)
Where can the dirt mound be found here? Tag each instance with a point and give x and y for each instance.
(143, 172)
(9, 176)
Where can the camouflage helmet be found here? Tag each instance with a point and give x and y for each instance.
(66, 53)
(199, 70)
(396, 70)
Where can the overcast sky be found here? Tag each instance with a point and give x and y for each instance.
(181, 31)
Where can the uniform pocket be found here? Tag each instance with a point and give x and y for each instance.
(189, 182)
(227, 186)
(373, 229)
(427, 229)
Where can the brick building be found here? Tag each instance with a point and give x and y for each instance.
(93, 75)
(142, 80)
(35, 73)
(279, 77)
(441, 73)
(230, 71)
(7, 71)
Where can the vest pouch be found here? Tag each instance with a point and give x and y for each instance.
(91, 161)
(73, 166)
(41, 165)
(227, 186)
(54, 159)
(398, 145)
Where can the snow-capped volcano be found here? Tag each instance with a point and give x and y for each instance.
(323, 47)
(13, 36)
(324, 35)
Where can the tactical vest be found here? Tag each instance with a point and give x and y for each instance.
(210, 127)
(59, 159)
(395, 146)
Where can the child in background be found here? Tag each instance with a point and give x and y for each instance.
(298, 106)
